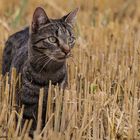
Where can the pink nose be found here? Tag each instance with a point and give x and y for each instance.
(66, 49)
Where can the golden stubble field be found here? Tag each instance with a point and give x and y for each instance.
(103, 97)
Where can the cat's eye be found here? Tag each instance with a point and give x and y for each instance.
(71, 39)
(52, 39)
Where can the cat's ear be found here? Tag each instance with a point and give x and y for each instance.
(39, 18)
(71, 17)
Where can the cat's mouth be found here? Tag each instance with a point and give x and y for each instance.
(63, 57)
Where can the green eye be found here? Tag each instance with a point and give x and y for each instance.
(71, 39)
(52, 39)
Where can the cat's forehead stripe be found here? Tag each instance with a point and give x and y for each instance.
(59, 28)
(47, 25)
(63, 29)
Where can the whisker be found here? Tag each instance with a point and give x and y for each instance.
(45, 65)
(70, 55)
(43, 61)
(40, 58)
(73, 61)
(37, 55)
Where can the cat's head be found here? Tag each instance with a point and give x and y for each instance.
(52, 38)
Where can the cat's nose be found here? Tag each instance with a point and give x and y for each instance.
(66, 50)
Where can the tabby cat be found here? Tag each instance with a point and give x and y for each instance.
(39, 53)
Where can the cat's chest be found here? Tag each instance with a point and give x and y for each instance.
(43, 79)
(46, 78)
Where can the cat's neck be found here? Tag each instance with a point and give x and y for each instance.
(54, 73)
(51, 67)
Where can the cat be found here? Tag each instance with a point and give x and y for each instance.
(39, 53)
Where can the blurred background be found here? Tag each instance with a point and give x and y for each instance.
(15, 14)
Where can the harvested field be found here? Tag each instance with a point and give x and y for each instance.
(102, 101)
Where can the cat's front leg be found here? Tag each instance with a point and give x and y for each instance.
(29, 96)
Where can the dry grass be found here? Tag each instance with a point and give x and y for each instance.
(103, 98)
